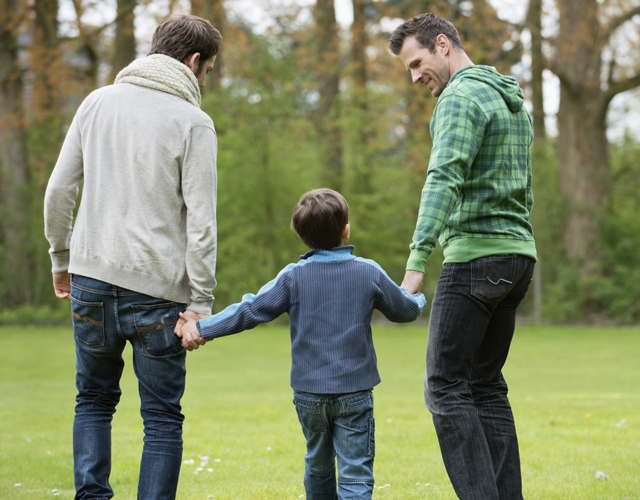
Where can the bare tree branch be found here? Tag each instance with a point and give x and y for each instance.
(616, 22)
(623, 85)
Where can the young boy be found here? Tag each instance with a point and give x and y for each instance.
(330, 296)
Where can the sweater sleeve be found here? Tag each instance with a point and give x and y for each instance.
(199, 190)
(60, 196)
(457, 129)
(271, 301)
(396, 303)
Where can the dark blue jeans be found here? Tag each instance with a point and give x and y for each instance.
(470, 331)
(343, 426)
(105, 317)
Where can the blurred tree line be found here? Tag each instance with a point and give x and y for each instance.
(305, 103)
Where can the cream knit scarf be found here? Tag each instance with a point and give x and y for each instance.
(162, 73)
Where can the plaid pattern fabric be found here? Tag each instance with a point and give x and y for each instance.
(478, 183)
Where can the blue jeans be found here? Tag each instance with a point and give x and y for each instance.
(470, 331)
(339, 425)
(105, 317)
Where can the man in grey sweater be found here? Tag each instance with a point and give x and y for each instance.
(142, 248)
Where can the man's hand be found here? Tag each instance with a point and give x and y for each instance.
(184, 317)
(62, 285)
(412, 281)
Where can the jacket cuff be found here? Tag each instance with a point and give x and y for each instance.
(417, 260)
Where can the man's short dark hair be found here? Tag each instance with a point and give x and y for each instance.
(181, 36)
(320, 217)
(426, 28)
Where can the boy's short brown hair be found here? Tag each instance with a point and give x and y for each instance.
(319, 218)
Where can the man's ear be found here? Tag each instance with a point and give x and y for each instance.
(192, 60)
(442, 43)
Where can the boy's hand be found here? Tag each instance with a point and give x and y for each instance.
(191, 339)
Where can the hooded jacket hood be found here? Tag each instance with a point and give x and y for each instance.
(507, 86)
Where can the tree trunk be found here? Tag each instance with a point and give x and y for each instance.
(584, 165)
(213, 11)
(46, 129)
(124, 49)
(328, 114)
(363, 145)
(14, 177)
(534, 23)
(584, 170)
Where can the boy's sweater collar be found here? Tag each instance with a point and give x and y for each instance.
(335, 254)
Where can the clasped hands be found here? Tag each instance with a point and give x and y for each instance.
(187, 330)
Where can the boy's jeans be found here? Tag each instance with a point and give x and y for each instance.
(470, 330)
(104, 318)
(339, 425)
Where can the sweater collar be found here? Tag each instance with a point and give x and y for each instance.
(335, 254)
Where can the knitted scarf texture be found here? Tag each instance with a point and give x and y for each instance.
(162, 73)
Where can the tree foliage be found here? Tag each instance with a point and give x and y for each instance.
(304, 103)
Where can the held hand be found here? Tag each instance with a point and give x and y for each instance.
(62, 285)
(192, 340)
(412, 281)
(184, 318)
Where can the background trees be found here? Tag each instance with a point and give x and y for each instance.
(300, 101)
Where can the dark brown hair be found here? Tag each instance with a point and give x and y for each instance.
(426, 28)
(181, 36)
(319, 218)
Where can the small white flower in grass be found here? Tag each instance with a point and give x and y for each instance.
(621, 423)
(54, 490)
(217, 460)
(417, 484)
(17, 484)
(301, 496)
(601, 475)
(209, 469)
(427, 484)
(56, 493)
(189, 462)
(210, 496)
(268, 448)
(388, 485)
(389, 420)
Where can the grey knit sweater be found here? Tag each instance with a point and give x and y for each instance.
(330, 296)
(147, 219)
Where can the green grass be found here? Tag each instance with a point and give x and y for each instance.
(575, 394)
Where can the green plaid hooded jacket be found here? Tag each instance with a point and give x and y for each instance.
(477, 197)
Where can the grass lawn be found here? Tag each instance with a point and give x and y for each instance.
(575, 394)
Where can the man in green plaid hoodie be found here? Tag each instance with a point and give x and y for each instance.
(477, 200)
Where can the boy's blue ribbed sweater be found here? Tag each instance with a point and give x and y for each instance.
(330, 296)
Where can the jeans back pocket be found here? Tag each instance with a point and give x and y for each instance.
(88, 322)
(155, 324)
(492, 278)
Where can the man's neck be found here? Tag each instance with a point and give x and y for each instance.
(458, 59)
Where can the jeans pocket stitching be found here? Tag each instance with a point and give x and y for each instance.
(79, 318)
